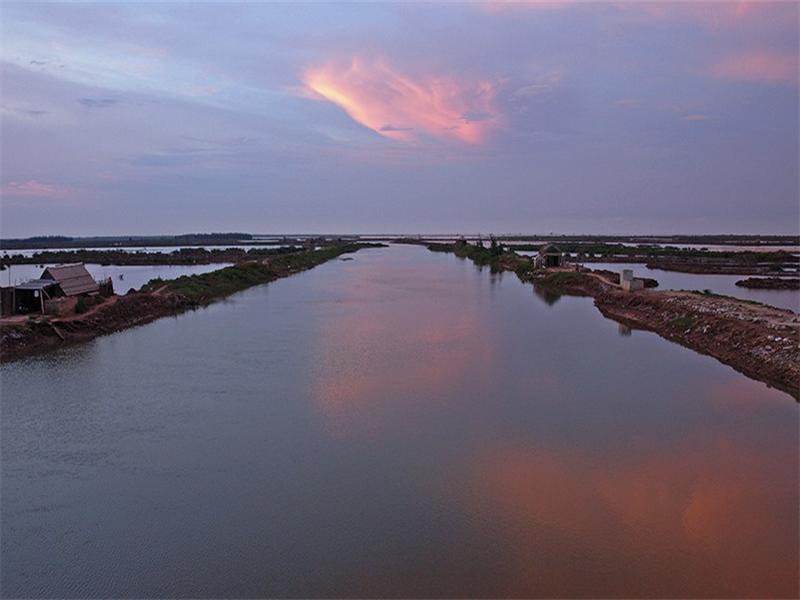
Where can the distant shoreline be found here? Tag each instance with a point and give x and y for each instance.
(760, 341)
(23, 336)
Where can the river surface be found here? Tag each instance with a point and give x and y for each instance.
(401, 424)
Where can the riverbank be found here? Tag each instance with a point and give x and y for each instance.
(21, 337)
(759, 341)
(770, 283)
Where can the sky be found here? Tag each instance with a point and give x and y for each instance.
(150, 118)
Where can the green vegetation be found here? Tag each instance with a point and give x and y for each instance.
(182, 256)
(524, 269)
(563, 277)
(709, 293)
(203, 289)
(59, 241)
(81, 306)
(478, 253)
(649, 251)
(683, 323)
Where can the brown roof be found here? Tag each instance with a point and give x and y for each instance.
(73, 279)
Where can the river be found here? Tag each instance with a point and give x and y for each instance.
(401, 424)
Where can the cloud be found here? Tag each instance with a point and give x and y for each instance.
(404, 107)
(711, 12)
(388, 128)
(26, 114)
(629, 102)
(760, 67)
(23, 194)
(97, 102)
(703, 11)
(34, 188)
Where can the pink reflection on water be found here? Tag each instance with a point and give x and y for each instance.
(698, 519)
(382, 365)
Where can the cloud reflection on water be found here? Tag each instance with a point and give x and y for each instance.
(431, 354)
(581, 480)
(695, 518)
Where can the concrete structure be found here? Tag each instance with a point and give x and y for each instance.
(628, 282)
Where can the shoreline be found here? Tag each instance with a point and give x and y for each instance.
(762, 342)
(759, 341)
(22, 337)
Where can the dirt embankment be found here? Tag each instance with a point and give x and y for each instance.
(20, 336)
(37, 335)
(760, 341)
(747, 265)
(770, 283)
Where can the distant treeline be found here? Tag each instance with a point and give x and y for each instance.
(60, 241)
(183, 256)
(604, 251)
(695, 240)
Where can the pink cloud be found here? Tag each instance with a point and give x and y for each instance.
(761, 67)
(34, 188)
(32, 191)
(402, 107)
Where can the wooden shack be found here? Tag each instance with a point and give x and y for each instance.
(56, 290)
(71, 280)
(549, 256)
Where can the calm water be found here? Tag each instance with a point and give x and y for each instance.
(719, 284)
(396, 425)
(149, 249)
(124, 277)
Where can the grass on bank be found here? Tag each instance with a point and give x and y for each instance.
(207, 287)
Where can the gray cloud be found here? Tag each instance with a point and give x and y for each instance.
(476, 116)
(97, 102)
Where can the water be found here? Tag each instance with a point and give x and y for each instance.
(124, 277)
(29, 252)
(401, 425)
(719, 284)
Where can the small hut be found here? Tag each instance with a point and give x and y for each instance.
(71, 280)
(57, 290)
(30, 296)
(549, 256)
